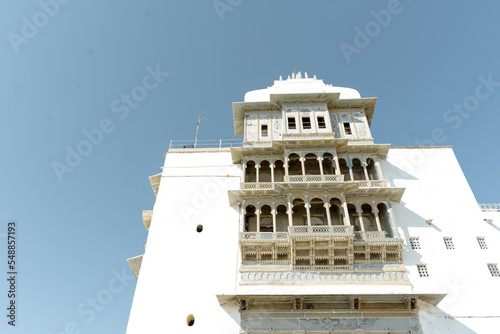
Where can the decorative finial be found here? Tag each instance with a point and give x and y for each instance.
(281, 78)
(305, 74)
(288, 78)
(293, 75)
(315, 77)
(299, 76)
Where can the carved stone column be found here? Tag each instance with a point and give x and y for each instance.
(290, 210)
(347, 219)
(308, 210)
(375, 213)
(327, 208)
(320, 161)
(360, 215)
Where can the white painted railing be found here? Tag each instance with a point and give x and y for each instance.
(308, 136)
(314, 230)
(314, 178)
(257, 185)
(372, 183)
(263, 236)
(370, 235)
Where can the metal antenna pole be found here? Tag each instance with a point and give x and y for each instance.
(197, 129)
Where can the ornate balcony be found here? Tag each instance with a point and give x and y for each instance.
(317, 248)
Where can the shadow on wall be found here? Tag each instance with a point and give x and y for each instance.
(434, 320)
(392, 173)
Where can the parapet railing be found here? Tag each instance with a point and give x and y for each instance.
(205, 144)
(257, 185)
(370, 235)
(337, 230)
(372, 183)
(490, 206)
(263, 236)
(314, 178)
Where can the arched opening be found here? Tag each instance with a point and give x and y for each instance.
(383, 216)
(281, 219)
(328, 167)
(335, 211)
(368, 218)
(344, 169)
(294, 166)
(354, 217)
(250, 172)
(299, 213)
(372, 171)
(279, 171)
(318, 212)
(357, 170)
(312, 164)
(265, 171)
(266, 219)
(250, 219)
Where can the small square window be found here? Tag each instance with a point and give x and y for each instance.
(448, 241)
(414, 243)
(422, 270)
(321, 122)
(347, 128)
(482, 243)
(306, 123)
(493, 267)
(291, 123)
(263, 130)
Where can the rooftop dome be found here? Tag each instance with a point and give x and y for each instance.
(299, 84)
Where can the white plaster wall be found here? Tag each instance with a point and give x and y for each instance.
(437, 189)
(183, 270)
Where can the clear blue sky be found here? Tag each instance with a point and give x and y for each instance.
(65, 76)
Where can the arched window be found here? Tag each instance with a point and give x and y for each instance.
(281, 219)
(368, 218)
(312, 164)
(250, 219)
(383, 216)
(266, 219)
(357, 170)
(372, 171)
(344, 169)
(335, 211)
(250, 172)
(299, 213)
(354, 217)
(279, 171)
(294, 166)
(328, 167)
(318, 212)
(265, 171)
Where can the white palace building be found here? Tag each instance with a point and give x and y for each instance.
(309, 226)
